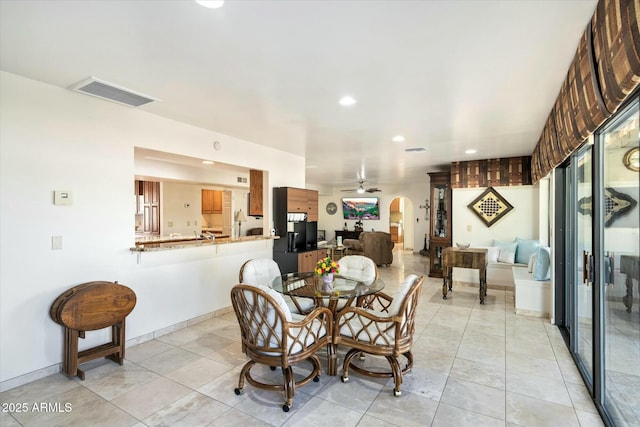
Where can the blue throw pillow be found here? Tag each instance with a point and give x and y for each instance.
(542, 270)
(526, 248)
(507, 251)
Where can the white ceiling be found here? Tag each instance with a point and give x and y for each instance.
(448, 75)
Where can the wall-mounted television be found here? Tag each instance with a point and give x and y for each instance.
(361, 208)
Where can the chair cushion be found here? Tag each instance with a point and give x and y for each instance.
(400, 294)
(260, 271)
(526, 248)
(279, 300)
(379, 333)
(358, 267)
(507, 251)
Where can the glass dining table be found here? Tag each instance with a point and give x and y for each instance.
(310, 285)
(342, 289)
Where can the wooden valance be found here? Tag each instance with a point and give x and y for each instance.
(491, 172)
(603, 73)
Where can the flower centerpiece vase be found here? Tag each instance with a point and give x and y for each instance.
(327, 278)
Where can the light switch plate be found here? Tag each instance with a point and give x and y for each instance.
(56, 243)
(62, 198)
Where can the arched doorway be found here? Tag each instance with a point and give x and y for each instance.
(401, 225)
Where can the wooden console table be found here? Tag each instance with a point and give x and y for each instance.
(630, 266)
(89, 307)
(475, 258)
(348, 234)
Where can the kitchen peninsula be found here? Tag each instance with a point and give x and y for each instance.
(160, 243)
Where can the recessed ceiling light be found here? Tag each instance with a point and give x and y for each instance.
(398, 138)
(347, 100)
(211, 4)
(207, 162)
(471, 151)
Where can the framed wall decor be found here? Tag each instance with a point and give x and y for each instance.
(490, 206)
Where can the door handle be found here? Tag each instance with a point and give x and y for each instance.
(586, 268)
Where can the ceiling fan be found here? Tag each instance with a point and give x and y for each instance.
(362, 190)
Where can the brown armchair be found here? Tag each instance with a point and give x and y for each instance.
(376, 245)
(383, 326)
(272, 336)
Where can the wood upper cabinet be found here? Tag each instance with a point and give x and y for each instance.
(301, 200)
(217, 202)
(296, 200)
(312, 205)
(211, 201)
(255, 192)
(207, 201)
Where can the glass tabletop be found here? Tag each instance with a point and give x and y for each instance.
(309, 284)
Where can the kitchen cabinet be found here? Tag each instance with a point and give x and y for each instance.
(307, 260)
(151, 207)
(440, 221)
(255, 192)
(217, 202)
(211, 201)
(312, 205)
(207, 201)
(303, 254)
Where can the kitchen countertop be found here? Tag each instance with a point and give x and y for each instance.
(161, 243)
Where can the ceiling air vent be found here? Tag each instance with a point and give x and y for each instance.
(416, 149)
(111, 92)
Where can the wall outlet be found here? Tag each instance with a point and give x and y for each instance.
(195, 222)
(188, 223)
(469, 227)
(170, 224)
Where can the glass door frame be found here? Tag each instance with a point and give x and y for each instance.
(566, 244)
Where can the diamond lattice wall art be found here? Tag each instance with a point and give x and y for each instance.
(490, 206)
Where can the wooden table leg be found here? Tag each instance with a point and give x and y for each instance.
(628, 298)
(483, 284)
(445, 278)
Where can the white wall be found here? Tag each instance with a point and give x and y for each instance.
(416, 194)
(55, 139)
(521, 222)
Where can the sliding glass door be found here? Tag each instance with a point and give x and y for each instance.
(620, 263)
(599, 307)
(582, 261)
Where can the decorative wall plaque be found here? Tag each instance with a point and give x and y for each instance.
(490, 206)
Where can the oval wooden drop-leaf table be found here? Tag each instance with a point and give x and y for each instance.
(89, 307)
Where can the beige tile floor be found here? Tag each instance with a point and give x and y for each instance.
(475, 365)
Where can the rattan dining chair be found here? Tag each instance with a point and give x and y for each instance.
(272, 336)
(358, 267)
(384, 326)
(261, 271)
